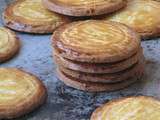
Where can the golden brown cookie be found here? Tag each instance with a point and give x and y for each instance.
(130, 108)
(95, 41)
(30, 16)
(96, 87)
(20, 93)
(9, 44)
(84, 7)
(98, 67)
(141, 15)
(105, 78)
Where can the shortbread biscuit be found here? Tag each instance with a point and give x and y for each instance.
(9, 44)
(30, 16)
(141, 15)
(96, 87)
(20, 93)
(84, 7)
(98, 67)
(105, 78)
(95, 41)
(130, 108)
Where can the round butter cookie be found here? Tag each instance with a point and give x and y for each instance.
(96, 87)
(130, 108)
(30, 16)
(84, 7)
(105, 78)
(98, 67)
(20, 93)
(95, 41)
(9, 44)
(141, 15)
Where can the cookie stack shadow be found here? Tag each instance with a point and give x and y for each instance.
(96, 74)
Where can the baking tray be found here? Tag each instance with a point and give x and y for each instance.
(65, 103)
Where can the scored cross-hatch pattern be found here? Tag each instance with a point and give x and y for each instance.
(34, 9)
(84, 2)
(94, 37)
(7, 41)
(15, 88)
(135, 14)
(4, 38)
(132, 109)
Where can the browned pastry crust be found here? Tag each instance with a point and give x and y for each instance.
(135, 107)
(105, 78)
(9, 45)
(98, 68)
(141, 15)
(96, 87)
(16, 80)
(25, 24)
(95, 41)
(89, 9)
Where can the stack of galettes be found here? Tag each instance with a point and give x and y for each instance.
(98, 55)
(95, 55)
(92, 55)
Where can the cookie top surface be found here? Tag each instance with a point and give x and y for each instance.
(32, 12)
(132, 108)
(4, 40)
(9, 43)
(84, 7)
(96, 41)
(85, 2)
(17, 90)
(142, 15)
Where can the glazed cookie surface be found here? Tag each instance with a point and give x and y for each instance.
(30, 16)
(84, 7)
(141, 15)
(9, 44)
(20, 93)
(131, 108)
(95, 41)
